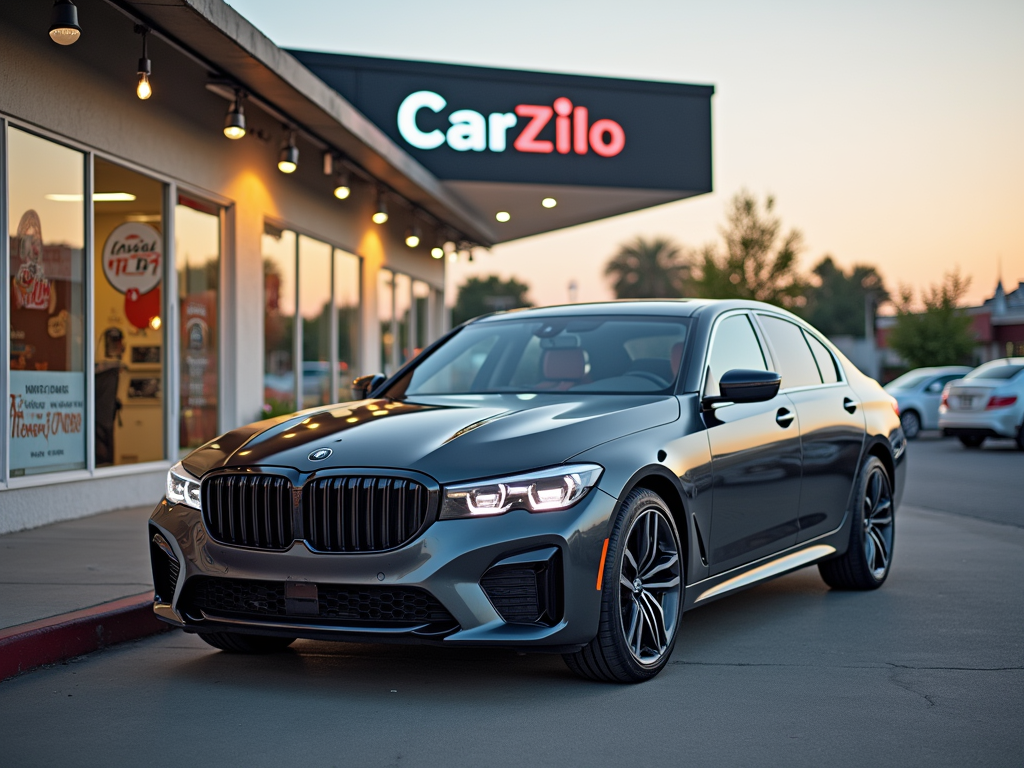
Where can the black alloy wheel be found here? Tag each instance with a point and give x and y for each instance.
(911, 424)
(972, 441)
(236, 642)
(867, 560)
(642, 595)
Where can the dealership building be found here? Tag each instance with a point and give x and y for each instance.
(200, 228)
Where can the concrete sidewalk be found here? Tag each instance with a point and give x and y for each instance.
(72, 587)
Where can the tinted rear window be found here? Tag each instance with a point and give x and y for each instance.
(995, 370)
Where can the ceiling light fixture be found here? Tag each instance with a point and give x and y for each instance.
(144, 89)
(412, 236)
(380, 214)
(234, 123)
(288, 158)
(549, 202)
(343, 185)
(64, 29)
(503, 216)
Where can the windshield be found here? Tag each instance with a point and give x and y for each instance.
(909, 380)
(997, 369)
(601, 355)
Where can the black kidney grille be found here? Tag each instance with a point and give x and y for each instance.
(362, 514)
(249, 510)
(351, 605)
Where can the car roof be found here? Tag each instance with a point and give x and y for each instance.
(632, 307)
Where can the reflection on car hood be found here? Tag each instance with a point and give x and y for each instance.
(449, 438)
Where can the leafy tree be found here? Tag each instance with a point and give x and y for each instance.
(835, 305)
(758, 261)
(649, 269)
(941, 335)
(479, 296)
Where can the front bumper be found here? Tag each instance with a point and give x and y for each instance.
(447, 561)
(998, 422)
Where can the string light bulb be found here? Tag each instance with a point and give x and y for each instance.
(288, 159)
(234, 123)
(144, 89)
(380, 215)
(64, 29)
(342, 186)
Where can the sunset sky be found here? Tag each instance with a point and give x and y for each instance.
(890, 133)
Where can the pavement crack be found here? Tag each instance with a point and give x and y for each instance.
(955, 669)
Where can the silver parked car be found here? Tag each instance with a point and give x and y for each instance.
(987, 402)
(919, 392)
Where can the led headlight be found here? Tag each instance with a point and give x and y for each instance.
(182, 488)
(541, 491)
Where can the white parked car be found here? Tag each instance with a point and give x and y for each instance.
(987, 402)
(918, 394)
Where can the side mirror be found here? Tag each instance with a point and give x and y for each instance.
(364, 385)
(743, 386)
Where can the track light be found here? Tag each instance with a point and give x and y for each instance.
(437, 251)
(380, 215)
(342, 186)
(412, 236)
(288, 159)
(234, 123)
(64, 29)
(144, 90)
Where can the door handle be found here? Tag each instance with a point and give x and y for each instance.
(783, 418)
(849, 405)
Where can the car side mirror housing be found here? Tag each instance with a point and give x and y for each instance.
(364, 385)
(745, 386)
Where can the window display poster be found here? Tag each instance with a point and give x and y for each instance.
(47, 421)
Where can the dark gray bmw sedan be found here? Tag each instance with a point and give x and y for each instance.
(569, 479)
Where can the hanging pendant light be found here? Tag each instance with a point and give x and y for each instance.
(343, 185)
(64, 29)
(413, 236)
(144, 89)
(234, 123)
(288, 159)
(380, 214)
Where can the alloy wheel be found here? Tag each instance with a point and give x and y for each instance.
(650, 586)
(878, 523)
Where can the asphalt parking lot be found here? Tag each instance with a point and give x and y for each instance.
(929, 670)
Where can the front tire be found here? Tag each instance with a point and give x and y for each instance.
(235, 642)
(641, 595)
(868, 558)
(911, 424)
(972, 441)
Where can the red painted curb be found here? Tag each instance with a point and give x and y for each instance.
(72, 634)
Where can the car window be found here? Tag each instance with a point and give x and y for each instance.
(826, 363)
(735, 346)
(936, 386)
(796, 363)
(997, 369)
(910, 380)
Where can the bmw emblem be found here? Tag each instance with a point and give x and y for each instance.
(320, 454)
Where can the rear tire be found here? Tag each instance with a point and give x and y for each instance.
(868, 558)
(234, 642)
(1020, 437)
(641, 596)
(972, 441)
(911, 424)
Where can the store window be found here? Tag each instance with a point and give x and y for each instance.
(128, 322)
(279, 294)
(406, 308)
(46, 215)
(347, 281)
(386, 315)
(197, 262)
(421, 329)
(315, 309)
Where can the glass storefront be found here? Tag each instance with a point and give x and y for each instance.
(279, 293)
(406, 309)
(347, 282)
(315, 309)
(197, 243)
(46, 217)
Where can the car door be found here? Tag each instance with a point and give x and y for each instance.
(831, 423)
(755, 456)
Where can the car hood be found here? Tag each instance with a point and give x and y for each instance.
(448, 438)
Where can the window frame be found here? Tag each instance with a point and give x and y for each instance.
(758, 334)
(840, 371)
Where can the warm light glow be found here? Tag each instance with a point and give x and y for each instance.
(412, 240)
(352, 420)
(234, 132)
(549, 202)
(453, 256)
(155, 323)
(98, 197)
(312, 426)
(437, 252)
(380, 217)
(144, 89)
(342, 191)
(503, 216)
(65, 35)
(290, 434)
(286, 166)
(380, 413)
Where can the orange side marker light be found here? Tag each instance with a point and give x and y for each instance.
(600, 568)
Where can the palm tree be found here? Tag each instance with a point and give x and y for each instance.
(649, 269)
